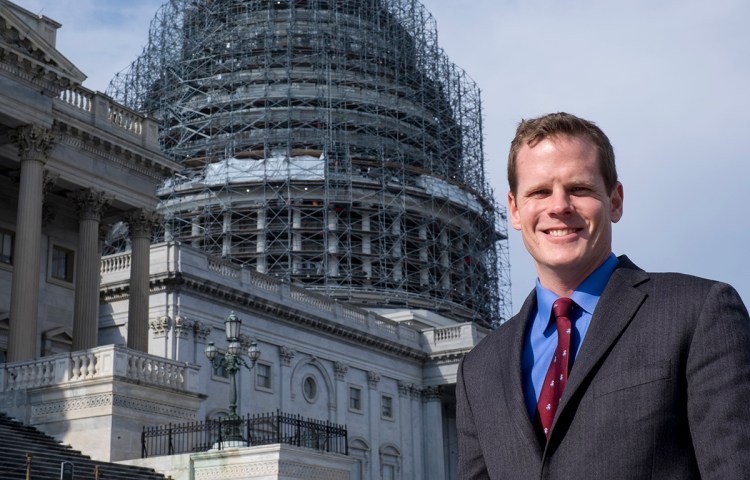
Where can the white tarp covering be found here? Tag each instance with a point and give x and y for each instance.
(275, 168)
(304, 167)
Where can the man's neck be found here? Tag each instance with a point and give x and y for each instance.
(564, 282)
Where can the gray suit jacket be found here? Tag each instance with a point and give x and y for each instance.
(660, 390)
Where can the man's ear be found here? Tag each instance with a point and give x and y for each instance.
(515, 218)
(616, 199)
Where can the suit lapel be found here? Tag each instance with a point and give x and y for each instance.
(513, 390)
(614, 311)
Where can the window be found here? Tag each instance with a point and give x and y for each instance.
(390, 463)
(310, 388)
(355, 399)
(61, 267)
(263, 376)
(388, 472)
(386, 407)
(6, 247)
(359, 451)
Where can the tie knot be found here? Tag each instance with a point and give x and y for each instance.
(562, 307)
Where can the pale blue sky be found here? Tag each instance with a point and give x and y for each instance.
(667, 81)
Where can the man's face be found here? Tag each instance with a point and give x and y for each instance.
(563, 209)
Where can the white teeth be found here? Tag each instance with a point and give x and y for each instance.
(560, 233)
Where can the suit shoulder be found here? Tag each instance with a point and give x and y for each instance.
(682, 282)
(679, 291)
(678, 281)
(497, 339)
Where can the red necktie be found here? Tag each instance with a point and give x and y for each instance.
(557, 375)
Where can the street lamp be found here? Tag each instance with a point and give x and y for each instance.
(232, 362)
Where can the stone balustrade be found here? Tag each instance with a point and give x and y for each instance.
(455, 337)
(170, 257)
(108, 113)
(100, 363)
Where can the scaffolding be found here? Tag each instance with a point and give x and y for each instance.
(330, 143)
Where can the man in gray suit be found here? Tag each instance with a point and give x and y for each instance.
(607, 372)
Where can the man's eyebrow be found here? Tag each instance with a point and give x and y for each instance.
(582, 183)
(535, 187)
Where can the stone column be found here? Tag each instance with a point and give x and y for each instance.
(373, 408)
(90, 205)
(433, 434)
(34, 145)
(286, 355)
(342, 392)
(417, 426)
(408, 434)
(141, 224)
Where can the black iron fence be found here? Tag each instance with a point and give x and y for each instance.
(262, 429)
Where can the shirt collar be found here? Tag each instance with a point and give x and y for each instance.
(585, 296)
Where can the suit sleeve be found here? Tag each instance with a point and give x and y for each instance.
(471, 464)
(718, 386)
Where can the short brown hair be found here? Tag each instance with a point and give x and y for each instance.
(531, 132)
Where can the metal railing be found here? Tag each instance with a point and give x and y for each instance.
(261, 429)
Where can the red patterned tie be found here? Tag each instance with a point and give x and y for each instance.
(557, 375)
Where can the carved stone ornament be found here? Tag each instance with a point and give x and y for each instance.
(160, 325)
(182, 326)
(430, 394)
(90, 203)
(201, 331)
(340, 370)
(404, 389)
(33, 142)
(416, 392)
(245, 341)
(373, 379)
(142, 222)
(286, 355)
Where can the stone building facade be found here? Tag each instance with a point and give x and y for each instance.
(97, 347)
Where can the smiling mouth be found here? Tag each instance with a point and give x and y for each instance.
(561, 232)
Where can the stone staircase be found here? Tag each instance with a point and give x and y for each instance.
(16, 440)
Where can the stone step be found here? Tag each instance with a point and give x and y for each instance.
(48, 455)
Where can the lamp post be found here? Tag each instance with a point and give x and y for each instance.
(232, 361)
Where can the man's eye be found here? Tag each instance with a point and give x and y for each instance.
(539, 193)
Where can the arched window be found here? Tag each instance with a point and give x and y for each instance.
(390, 463)
(359, 450)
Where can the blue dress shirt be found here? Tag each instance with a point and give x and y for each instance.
(541, 337)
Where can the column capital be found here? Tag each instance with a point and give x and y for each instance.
(183, 326)
(201, 331)
(340, 369)
(90, 203)
(33, 142)
(286, 355)
(160, 326)
(431, 394)
(373, 378)
(142, 222)
(404, 388)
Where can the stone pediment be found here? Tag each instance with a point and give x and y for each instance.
(23, 46)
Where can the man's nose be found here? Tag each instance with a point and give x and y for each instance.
(560, 203)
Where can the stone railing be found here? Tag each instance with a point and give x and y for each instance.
(123, 118)
(79, 98)
(105, 112)
(455, 337)
(116, 263)
(223, 268)
(116, 268)
(170, 257)
(100, 363)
